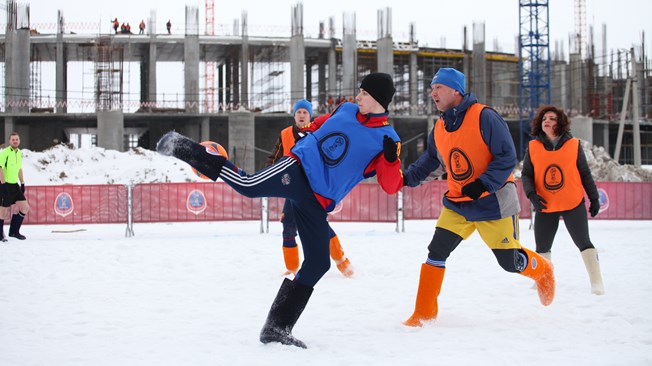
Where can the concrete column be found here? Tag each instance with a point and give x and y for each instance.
(414, 69)
(349, 57)
(558, 85)
(110, 130)
(297, 67)
(479, 78)
(605, 137)
(297, 56)
(150, 62)
(332, 69)
(308, 87)
(242, 132)
(61, 77)
(244, 64)
(221, 102)
(192, 130)
(151, 69)
(321, 82)
(384, 43)
(385, 55)
(582, 128)
(205, 129)
(191, 61)
(575, 86)
(414, 94)
(17, 70)
(9, 128)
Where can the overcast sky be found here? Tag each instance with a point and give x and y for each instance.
(625, 19)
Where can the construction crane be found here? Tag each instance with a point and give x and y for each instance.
(580, 28)
(533, 63)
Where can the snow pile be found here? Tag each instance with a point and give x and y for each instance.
(604, 168)
(63, 164)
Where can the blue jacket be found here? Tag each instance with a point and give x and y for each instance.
(495, 134)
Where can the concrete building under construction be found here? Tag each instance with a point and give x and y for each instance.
(238, 89)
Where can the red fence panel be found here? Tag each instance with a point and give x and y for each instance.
(619, 201)
(423, 202)
(72, 204)
(366, 202)
(160, 202)
(625, 201)
(215, 201)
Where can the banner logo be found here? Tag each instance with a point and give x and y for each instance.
(196, 201)
(63, 205)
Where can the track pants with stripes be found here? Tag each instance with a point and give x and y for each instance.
(286, 179)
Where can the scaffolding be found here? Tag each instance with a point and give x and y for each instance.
(109, 75)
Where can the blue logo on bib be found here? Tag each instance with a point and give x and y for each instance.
(333, 148)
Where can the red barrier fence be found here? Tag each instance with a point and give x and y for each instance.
(167, 202)
(72, 204)
(191, 202)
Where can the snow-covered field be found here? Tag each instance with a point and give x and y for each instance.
(198, 294)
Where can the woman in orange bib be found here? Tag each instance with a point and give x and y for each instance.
(555, 175)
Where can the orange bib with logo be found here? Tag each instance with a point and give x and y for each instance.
(465, 153)
(556, 177)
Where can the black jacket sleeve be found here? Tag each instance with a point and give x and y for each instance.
(527, 174)
(276, 153)
(585, 174)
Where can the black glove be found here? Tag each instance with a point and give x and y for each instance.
(390, 150)
(538, 202)
(22, 187)
(474, 189)
(595, 207)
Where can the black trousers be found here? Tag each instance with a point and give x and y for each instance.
(286, 179)
(577, 224)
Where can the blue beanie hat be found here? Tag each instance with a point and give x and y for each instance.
(302, 103)
(451, 78)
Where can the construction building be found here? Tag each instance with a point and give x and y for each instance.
(238, 89)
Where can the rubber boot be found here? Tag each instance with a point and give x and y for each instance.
(541, 271)
(286, 309)
(342, 262)
(2, 231)
(14, 227)
(592, 263)
(203, 159)
(291, 258)
(548, 256)
(426, 307)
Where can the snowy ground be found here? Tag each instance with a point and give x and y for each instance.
(198, 294)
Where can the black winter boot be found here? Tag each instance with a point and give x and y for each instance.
(14, 227)
(286, 309)
(193, 153)
(2, 231)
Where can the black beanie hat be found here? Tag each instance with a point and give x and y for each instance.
(380, 86)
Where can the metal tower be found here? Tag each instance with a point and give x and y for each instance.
(534, 63)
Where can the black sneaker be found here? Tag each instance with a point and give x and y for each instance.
(3, 239)
(18, 236)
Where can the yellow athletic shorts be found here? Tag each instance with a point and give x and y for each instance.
(497, 234)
